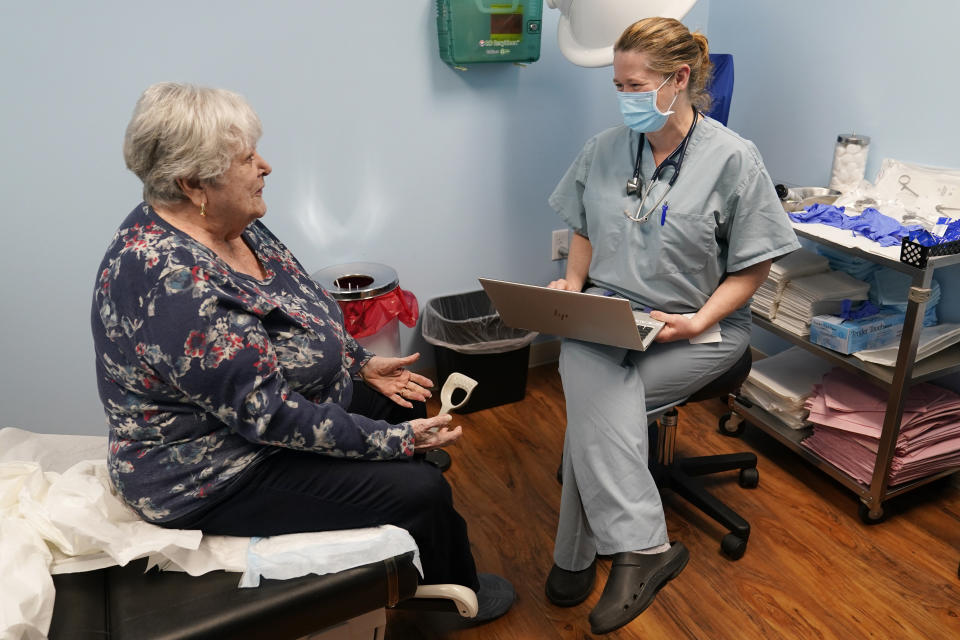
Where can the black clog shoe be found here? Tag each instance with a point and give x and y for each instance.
(635, 579)
(570, 588)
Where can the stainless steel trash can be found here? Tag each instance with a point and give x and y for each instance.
(366, 293)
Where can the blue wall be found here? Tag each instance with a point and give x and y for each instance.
(808, 71)
(380, 151)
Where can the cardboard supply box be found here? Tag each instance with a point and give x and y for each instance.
(848, 336)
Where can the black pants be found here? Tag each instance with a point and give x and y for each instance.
(297, 491)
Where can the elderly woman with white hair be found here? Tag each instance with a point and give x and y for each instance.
(237, 403)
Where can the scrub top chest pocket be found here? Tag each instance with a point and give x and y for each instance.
(684, 243)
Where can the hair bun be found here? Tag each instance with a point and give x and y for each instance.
(701, 41)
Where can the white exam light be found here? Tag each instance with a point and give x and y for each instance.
(588, 28)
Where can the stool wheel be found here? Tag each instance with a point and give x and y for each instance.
(749, 478)
(733, 546)
(731, 425)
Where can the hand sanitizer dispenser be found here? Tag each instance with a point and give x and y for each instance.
(473, 31)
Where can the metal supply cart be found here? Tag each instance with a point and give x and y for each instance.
(920, 266)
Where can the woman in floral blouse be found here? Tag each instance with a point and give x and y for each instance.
(236, 401)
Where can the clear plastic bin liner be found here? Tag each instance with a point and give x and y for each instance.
(468, 323)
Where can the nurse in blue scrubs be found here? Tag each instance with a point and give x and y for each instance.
(675, 212)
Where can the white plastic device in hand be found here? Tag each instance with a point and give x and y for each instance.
(455, 381)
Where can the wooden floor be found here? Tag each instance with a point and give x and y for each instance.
(811, 570)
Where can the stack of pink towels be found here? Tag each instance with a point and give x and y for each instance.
(847, 415)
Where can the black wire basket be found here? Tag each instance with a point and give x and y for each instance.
(917, 254)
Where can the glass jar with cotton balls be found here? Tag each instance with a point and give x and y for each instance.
(849, 161)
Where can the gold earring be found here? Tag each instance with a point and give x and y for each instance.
(203, 210)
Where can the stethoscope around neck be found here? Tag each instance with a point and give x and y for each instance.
(674, 160)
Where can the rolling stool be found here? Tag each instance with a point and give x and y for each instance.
(680, 474)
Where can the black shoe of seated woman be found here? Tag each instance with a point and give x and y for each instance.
(438, 458)
(570, 588)
(495, 597)
(635, 579)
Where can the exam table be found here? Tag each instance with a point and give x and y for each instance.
(75, 564)
(129, 603)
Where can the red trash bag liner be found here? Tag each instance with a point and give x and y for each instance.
(364, 318)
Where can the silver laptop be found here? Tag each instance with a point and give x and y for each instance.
(583, 316)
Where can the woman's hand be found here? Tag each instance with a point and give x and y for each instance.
(678, 327)
(732, 294)
(389, 377)
(563, 284)
(433, 433)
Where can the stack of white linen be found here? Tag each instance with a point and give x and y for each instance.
(848, 413)
(781, 384)
(793, 265)
(813, 295)
(932, 340)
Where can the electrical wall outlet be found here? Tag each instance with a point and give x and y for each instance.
(560, 246)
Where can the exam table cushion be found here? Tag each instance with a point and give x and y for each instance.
(129, 603)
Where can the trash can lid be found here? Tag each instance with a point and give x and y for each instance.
(357, 280)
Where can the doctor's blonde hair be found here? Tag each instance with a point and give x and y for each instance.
(668, 44)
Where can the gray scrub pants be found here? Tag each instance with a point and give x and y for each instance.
(609, 502)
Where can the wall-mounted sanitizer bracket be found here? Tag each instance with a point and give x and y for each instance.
(475, 31)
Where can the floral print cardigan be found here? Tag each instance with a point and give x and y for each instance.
(203, 371)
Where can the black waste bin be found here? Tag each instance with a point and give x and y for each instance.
(469, 337)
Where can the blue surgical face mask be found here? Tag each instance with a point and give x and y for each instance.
(640, 111)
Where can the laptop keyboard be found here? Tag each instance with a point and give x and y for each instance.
(644, 330)
(647, 327)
